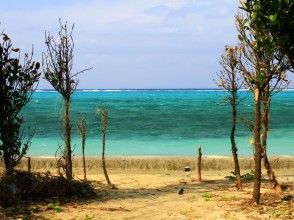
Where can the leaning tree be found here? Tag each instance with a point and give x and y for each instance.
(104, 117)
(17, 84)
(230, 80)
(58, 70)
(263, 74)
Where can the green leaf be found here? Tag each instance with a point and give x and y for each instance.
(240, 37)
(246, 22)
(254, 15)
(273, 18)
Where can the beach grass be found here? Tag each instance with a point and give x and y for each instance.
(155, 163)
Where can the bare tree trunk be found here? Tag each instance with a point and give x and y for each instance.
(233, 144)
(265, 124)
(67, 139)
(199, 164)
(84, 160)
(29, 164)
(103, 158)
(257, 147)
(270, 172)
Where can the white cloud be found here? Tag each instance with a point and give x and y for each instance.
(134, 35)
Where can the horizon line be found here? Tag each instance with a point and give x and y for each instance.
(200, 88)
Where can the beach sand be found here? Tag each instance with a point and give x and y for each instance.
(153, 193)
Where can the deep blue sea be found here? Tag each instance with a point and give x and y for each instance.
(157, 122)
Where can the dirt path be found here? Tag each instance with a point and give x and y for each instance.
(155, 196)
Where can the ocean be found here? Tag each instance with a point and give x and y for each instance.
(156, 122)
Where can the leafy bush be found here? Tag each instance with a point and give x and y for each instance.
(55, 207)
(207, 196)
(23, 186)
(246, 177)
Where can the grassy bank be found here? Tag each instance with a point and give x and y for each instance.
(154, 163)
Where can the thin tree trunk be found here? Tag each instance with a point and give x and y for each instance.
(257, 147)
(199, 164)
(29, 164)
(233, 144)
(265, 127)
(67, 140)
(8, 165)
(103, 158)
(84, 160)
(6, 142)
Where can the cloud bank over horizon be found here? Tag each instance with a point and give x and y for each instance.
(131, 44)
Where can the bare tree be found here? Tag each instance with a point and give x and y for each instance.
(266, 104)
(103, 115)
(82, 127)
(58, 70)
(262, 74)
(229, 80)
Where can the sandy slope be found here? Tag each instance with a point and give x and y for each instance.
(155, 196)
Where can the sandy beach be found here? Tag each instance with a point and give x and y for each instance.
(149, 192)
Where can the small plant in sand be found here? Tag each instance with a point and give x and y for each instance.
(17, 84)
(82, 127)
(103, 116)
(246, 177)
(88, 217)
(55, 207)
(207, 196)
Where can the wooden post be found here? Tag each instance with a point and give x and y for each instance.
(199, 161)
(29, 164)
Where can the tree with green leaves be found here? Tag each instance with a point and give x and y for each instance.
(263, 74)
(58, 70)
(230, 80)
(277, 18)
(17, 83)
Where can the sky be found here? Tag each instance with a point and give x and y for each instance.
(130, 43)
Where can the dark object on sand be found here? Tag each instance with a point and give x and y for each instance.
(288, 198)
(187, 169)
(181, 192)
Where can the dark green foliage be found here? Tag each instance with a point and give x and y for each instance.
(24, 186)
(16, 87)
(277, 18)
(246, 177)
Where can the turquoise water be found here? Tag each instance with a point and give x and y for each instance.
(157, 122)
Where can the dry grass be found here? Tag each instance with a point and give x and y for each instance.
(154, 164)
